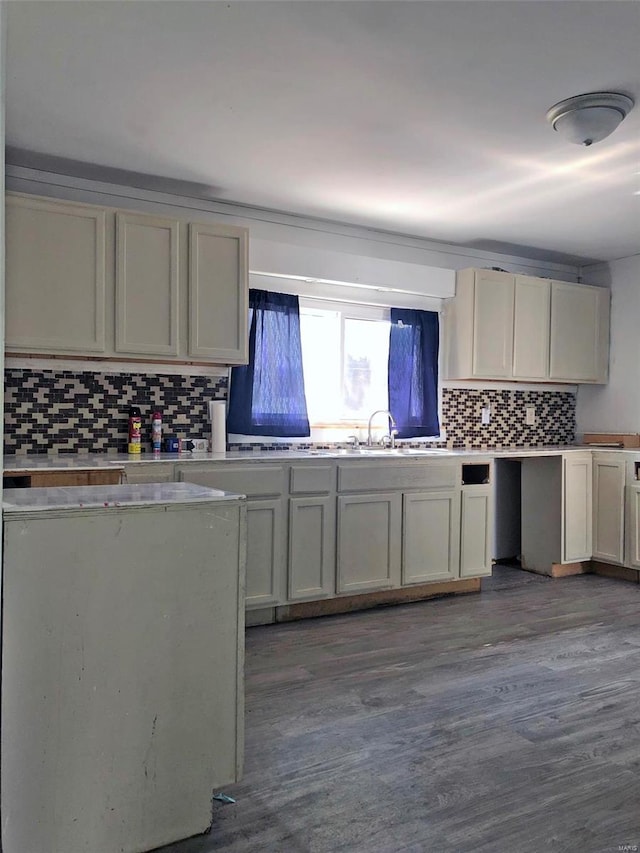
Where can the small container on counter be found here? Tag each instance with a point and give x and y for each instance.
(171, 444)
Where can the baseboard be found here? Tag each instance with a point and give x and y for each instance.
(364, 601)
(564, 570)
(609, 570)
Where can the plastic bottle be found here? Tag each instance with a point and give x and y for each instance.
(156, 431)
(135, 430)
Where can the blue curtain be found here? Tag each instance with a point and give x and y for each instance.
(266, 396)
(413, 372)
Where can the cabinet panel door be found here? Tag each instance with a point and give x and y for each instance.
(531, 328)
(577, 333)
(633, 524)
(493, 324)
(430, 536)
(55, 276)
(608, 509)
(146, 284)
(475, 524)
(369, 541)
(265, 553)
(312, 558)
(576, 507)
(218, 293)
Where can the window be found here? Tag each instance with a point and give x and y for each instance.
(345, 353)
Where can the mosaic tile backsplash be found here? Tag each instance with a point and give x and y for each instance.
(64, 412)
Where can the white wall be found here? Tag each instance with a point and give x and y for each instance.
(616, 407)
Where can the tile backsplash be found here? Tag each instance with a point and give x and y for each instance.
(50, 411)
(555, 417)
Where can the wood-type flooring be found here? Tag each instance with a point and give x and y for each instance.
(505, 722)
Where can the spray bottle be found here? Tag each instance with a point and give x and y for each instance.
(135, 429)
(156, 431)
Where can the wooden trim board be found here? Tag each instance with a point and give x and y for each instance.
(608, 570)
(564, 570)
(363, 601)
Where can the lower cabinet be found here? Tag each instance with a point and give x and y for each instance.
(265, 552)
(633, 525)
(312, 562)
(576, 507)
(475, 524)
(430, 536)
(369, 536)
(608, 508)
(264, 485)
(398, 525)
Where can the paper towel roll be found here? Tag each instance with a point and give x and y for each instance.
(217, 416)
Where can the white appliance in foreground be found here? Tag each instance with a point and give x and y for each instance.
(122, 664)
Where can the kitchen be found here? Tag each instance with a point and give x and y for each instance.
(89, 405)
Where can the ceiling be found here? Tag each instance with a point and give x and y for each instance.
(422, 118)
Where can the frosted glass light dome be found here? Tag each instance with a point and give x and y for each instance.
(589, 118)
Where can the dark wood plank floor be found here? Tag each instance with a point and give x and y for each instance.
(505, 721)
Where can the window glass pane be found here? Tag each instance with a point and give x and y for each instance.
(364, 377)
(345, 364)
(320, 333)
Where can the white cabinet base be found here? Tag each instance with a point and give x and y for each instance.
(122, 706)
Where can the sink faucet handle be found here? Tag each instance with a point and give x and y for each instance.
(353, 440)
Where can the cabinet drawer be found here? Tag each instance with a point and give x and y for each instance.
(251, 480)
(148, 472)
(368, 476)
(311, 478)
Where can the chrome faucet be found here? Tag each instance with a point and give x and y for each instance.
(393, 424)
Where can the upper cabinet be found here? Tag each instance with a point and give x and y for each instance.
(579, 332)
(493, 296)
(55, 276)
(218, 260)
(147, 285)
(85, 280)
(504, 326)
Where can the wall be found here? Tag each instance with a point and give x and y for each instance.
(61, 411)
(52, 409)
(616, 406)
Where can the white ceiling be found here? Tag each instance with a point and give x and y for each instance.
(424, 118)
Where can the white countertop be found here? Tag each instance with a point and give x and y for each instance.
(109, 497)
(79, 462)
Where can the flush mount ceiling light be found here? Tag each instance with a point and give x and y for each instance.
(589, 118)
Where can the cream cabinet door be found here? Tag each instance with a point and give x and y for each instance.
(369, 541)
(577, 510)
(493, 324)
(633, 525)
(218, 293)
(146, 285)
(608, 508)
(312, 559)
(531, 328)
(579, 332)
(265, 552)
(430, 536)
(475, 528)
(55, 276)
